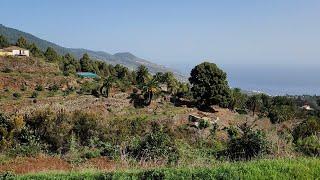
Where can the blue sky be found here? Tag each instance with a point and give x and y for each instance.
(233, 34)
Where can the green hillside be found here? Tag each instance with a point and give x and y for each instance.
(127, 59)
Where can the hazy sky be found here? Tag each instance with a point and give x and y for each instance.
(180, 33)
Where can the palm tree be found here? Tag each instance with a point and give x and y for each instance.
(149, 89)
(171, 82)
(255, 103)
(107, 85)
(142, 75)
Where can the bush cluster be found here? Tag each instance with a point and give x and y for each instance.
(306, 136)
(252, 143)
(79, 135)
(156, 145)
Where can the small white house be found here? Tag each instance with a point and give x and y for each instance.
(14, 51)
(307, 107)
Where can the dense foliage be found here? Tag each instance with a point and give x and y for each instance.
(309, 127)
(3, 42)
(248, 145)
(156, 145)
(209, 85)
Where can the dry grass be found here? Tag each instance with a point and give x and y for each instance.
(23, 165)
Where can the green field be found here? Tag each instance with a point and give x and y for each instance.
(301, 168)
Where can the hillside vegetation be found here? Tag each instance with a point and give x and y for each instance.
(138, 125)
(126, 59)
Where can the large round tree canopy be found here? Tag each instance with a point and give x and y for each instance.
(210, 85)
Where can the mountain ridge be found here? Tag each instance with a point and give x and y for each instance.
(124, 58)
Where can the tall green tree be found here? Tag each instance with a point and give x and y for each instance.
(86, 63)
(239, 99)
(4, 42)
(266, 104)
(22, 42)
(183, 90)
(121, 71)
(51, 55)
(171, 82)
(104, 69)
(209, 85)
(35, 51)
(69, 64)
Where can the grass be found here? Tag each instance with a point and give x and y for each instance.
(166, 111)
(300, 168)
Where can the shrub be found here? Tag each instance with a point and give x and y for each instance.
(307, 128)
(85, 127)
(156, 145)
(50, 128)
(51, 94)
(39, 88)
(87, 87)
(90, 153)
(73, 155)
(232, 132)
(309, 145)
(7, 70)
(281, 113)
(95, 92)
(7, 175)
(34, 94)
(108, 150)
(203, 124)
(250, 144)
(242, 111)
(6, 128)
(23, 88)
(28, 145)
(68, 91)
(16, 95)
(125, 129)
(54, 88)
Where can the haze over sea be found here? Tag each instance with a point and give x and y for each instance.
(272, 79)
(275, 80)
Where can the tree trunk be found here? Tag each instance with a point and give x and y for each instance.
(150, 95)
(107, 92)
(254, 109)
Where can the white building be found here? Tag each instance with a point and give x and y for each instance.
(307, 107)
(14, 51)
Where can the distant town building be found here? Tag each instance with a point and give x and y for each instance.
(87, 75)
(14, 51)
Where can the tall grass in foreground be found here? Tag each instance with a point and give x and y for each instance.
(301, 168)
